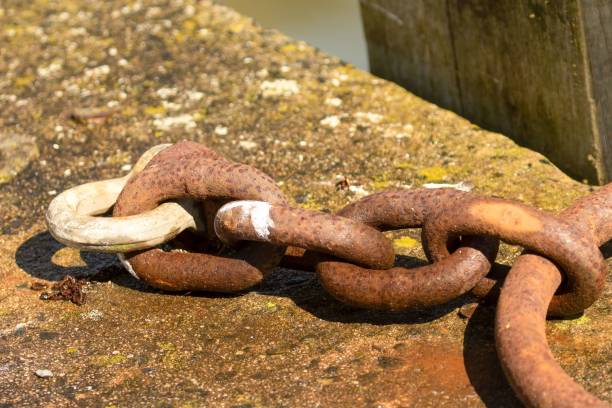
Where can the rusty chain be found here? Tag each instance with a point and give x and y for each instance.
(240, 227)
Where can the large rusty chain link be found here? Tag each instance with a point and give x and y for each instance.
(235, 226)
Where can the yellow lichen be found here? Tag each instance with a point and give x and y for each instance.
(311, 204)
(24, 81)
(167, 346)
(289, 48)
(104, 361)
(404, 165)
(435, 173)
(571, 323)
(172, 357)
(405, 243)
(154, 110)
(189, 26)
(236, 27)
(380, 184)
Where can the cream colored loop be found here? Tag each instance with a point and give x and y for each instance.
(71, 217)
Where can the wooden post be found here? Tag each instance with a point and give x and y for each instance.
(539, 71)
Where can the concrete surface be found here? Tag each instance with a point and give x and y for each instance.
(173, 70)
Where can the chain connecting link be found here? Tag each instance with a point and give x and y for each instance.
(242, 227)
(520, 326)
(543, 233)
(185, 172)
(401, 288)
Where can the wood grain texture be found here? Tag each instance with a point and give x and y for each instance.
(535, 70)
(597, 17)
(404, 45)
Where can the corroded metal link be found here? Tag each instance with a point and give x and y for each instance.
(184, 150)
(593, 213)
(313, 230)
(71, 216)
(401, 288)
(516, 223)
(520, 327)
(200, 178)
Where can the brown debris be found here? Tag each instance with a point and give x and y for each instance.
(38, 286)
(342, 184)
(69, 288)
(81, 115)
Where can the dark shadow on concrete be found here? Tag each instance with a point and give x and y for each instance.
(310, 296)
(35, 257)
(304, 289)
(481, 362)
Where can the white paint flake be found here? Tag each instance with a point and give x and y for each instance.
(257, 213)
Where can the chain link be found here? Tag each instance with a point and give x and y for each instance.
(242, 227)
(189, 172)
(71, 216)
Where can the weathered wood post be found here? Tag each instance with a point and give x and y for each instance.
(539, 71)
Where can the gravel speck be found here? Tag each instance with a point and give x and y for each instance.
(44, 373)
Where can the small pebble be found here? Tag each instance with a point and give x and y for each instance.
(221, 130)
(44, 373)
(333, 102)
(20, 328)
(247, 144)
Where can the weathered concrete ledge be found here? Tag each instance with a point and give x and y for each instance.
(178, 69)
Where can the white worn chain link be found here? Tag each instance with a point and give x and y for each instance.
(71, 217)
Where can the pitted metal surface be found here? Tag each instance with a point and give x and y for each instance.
(520, 327)
(307, 229)
(541, 232)
(199, 175)
(402, 288)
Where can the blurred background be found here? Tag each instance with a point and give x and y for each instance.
(331, 25)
